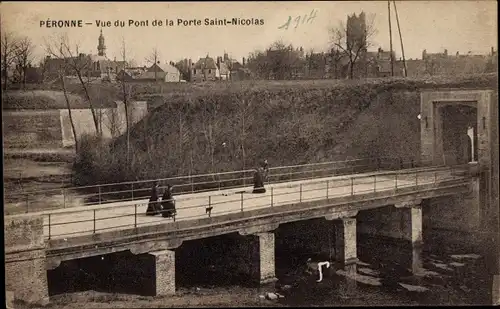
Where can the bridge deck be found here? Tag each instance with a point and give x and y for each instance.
(124, 215)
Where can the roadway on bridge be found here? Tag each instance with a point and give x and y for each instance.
(70, 223)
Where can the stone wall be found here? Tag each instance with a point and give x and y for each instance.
(25, 272)
(112, 121)
(33, 129)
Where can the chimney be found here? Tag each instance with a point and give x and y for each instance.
(492, 51)
(218, 61)
(244, 61)
(446, 52)
(457, 53)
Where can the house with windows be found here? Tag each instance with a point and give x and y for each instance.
(204, 69)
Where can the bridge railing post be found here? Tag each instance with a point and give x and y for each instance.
(49, 227)
(327, 187)
(272, 197)
(241, 201)
(352, 186)
(132, 191)
(135, 215)
(94, 220)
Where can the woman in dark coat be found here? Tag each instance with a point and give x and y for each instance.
(258, 181)
(168, 203)
(153, 205)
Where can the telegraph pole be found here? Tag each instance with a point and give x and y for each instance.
(390, 36)
(400, 38)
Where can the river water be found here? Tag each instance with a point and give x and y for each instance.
(451, 277)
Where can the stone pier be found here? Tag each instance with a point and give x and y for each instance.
(25, 269)
(164, 267)
(345, 244)
(400, 225)
(259, 254)
(415, 230)
(265, 268)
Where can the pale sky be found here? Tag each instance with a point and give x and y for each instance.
(433, 25)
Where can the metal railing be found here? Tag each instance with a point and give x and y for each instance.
(130, 191)
(105, 218)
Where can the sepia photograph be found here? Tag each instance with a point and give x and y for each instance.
(250, 154)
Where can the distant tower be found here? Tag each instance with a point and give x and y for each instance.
(356, 29)
(101, 48)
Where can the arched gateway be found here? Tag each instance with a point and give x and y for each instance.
(461, 126)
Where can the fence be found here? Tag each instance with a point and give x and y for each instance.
(127, 216)
(129, 191)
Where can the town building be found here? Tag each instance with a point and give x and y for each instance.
(205, 69)
(159, 73)
(91, 66)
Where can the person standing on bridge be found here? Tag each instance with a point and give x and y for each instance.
(258, 181)
(265, 167)
(168, 203)
(153, 205)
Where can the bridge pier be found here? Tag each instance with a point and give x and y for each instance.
(345, 245)
(263, 269)
(260, 256)
(164, 267)
(25, 258)
(415, 223)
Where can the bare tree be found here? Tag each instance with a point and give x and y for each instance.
(153, 58)
(353, 40)
(68, 106)
(245, 119)
(23, 57)
(78, 64)
(258, 64)
(126, 90)
(432, 67)
(335, 57)
(9, 42)
(211, 124)
(183, 138)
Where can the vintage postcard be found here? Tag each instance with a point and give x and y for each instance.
(219, 154)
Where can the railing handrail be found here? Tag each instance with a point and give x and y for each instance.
(207, 175)
(340, 178)
(449, 179)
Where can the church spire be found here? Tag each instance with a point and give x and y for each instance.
(101, 47)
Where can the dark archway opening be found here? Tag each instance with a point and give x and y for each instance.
(298, 241)
(121, 272)
(459, 134)
(223, 260)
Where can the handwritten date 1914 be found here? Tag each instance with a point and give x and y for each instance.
(299, 19)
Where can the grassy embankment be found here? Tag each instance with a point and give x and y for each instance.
(290, 122)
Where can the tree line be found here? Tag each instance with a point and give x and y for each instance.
(284, 61)
(17, 52)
